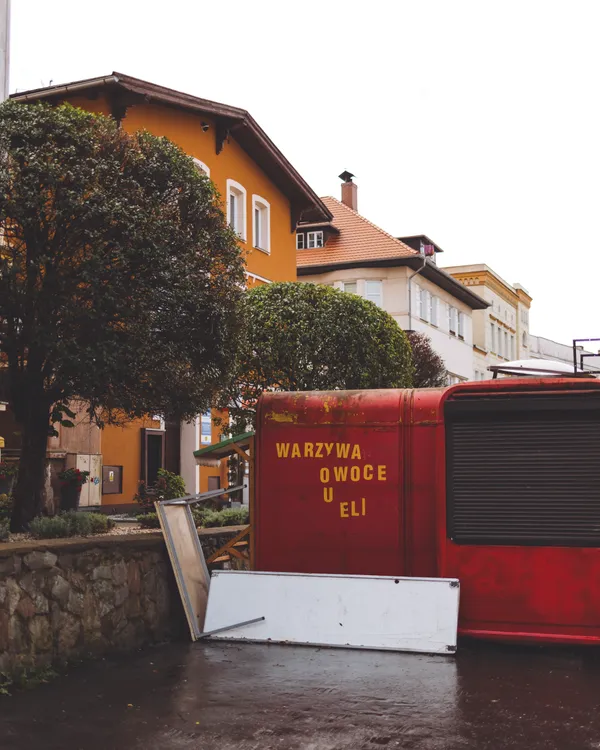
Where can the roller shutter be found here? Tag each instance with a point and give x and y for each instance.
(524, 471)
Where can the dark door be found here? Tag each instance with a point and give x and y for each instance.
(153, 454)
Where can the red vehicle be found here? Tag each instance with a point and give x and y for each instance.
(496, 483)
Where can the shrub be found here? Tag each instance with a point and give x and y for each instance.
(234, 516)
(148, 521)
(70, 524)
(145, 497)
(49, 527)
(6, 505)
(227, 517)
(169, 486)
(4, 531)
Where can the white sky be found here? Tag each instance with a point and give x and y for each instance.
(474, 122)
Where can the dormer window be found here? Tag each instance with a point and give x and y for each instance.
(315, 239)
(300, 241)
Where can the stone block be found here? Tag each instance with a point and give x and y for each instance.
(4, 640)
(40, 634)
(134, 579)
(133, 606)
(13, 595)
(91, 614)
(121, 595)
(75, 603)
(10, 565)
(68, 636)
(102, 572)
(26, 608)
(39, 560)
(119, 573)
(60, 589)
(18, 635)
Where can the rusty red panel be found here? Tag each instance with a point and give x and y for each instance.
(328, 483)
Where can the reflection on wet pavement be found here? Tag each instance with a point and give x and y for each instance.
(251, 696)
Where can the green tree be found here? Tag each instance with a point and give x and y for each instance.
(120, 281)
(429, 368)
(307, 337)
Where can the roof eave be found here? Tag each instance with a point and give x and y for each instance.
(289, 181)
(430, 271)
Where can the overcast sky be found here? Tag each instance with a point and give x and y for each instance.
(477, 123)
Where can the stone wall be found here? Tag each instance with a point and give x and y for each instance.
(69, 599)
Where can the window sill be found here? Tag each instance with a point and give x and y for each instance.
(262, 250)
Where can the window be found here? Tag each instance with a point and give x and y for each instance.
(506, 350)
(461, 325)
(201, 167)
(206, 429)
(315, 239)
(452, 320)
(261, 224)
(524, 338)
(373, 292)
(236, 208)
(513, 354)
(299, 242)
(493, 342)
(434, 304)
(351, 287)
(424, 305)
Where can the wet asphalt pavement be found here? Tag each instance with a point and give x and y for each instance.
(250, 696)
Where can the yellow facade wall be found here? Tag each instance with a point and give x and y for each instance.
(121, 446)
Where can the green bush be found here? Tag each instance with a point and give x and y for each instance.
(227, 517)
(148, 521)
(6, 506)
(69, 524)
(4, 531)
(170, 486)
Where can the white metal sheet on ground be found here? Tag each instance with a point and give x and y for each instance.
(377, 612)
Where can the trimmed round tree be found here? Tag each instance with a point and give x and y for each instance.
(120, 281)
(309, 337)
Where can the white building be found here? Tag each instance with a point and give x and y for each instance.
(542, 348)
(352, 254)
(500, 330)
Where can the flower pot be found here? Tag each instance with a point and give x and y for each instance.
(69, 497)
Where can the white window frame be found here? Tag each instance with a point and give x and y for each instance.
(424, 303)
(375, 297)
(300, 241)
(263, 206)
(434, 310)
(350, 283)
(202, 166)
(460, 324)
(452, 320)
(314, 236)
(239, 191)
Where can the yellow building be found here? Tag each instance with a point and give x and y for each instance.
(264, 197)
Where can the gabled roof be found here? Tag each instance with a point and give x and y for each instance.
(123, 90)
(358, 240)
(362, 244)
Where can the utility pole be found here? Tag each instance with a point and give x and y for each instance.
(4, 47)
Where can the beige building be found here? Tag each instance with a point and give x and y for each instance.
(354, 255)
(500, 331)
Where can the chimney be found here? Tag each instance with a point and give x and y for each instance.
(349, 191)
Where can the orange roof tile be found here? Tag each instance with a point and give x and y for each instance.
(358, 240)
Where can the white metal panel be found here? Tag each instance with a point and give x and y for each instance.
(377, 612)
(83, 464)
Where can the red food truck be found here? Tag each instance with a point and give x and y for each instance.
(496, 483)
